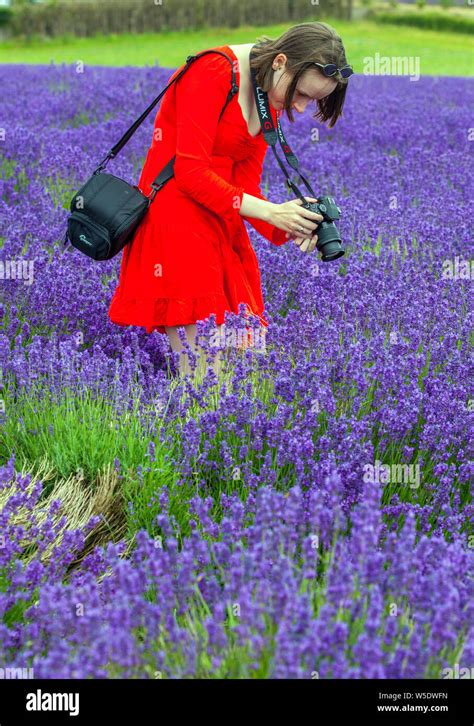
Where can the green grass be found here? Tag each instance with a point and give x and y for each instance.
(440, 53)
(75, 432)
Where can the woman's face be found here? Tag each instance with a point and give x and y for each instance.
(312, 86)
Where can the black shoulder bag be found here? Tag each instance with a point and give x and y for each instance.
(106, 210)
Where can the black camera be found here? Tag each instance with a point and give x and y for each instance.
(329, 240)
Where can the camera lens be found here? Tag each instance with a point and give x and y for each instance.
(329, 242)
(332, 251)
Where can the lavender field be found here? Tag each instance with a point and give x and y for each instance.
(309, 514)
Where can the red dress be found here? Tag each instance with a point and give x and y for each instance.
(191, 255)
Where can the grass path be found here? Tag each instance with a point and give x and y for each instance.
(447, 54)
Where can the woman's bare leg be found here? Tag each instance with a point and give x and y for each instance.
(176, 346)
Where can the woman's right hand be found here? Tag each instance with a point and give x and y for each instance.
(292, 218)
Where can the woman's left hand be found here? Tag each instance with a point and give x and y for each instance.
(306, 244)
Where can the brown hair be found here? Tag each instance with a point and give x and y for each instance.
(302, 44)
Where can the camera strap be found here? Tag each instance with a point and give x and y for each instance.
(271, 136)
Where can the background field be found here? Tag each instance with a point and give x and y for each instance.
(446, 54)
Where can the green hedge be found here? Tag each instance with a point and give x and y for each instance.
(87, 18)
(426, 20)
(5, 16)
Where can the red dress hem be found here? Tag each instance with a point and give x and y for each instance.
(144, 312)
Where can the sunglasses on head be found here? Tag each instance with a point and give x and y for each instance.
(330, 69)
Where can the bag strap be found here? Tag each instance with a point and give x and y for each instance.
(168, 171)
(129, 133)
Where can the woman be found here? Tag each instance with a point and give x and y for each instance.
(191, 255)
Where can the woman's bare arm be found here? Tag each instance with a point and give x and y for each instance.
(255, 207)
(289, 216)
